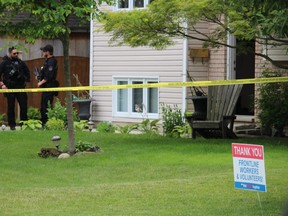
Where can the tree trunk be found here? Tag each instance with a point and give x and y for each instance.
(67, 82)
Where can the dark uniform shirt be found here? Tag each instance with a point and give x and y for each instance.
(14, 73)
(49, 72)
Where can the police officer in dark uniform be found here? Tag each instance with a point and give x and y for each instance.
(47, 79)
(14, 74)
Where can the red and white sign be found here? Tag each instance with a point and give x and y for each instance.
(249, 167)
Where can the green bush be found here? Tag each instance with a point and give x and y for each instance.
(126, 129)
(80, 125)
(55, 124)
(86, 146)
(172, 117)
(273, 104)
(148, 126)
(2, 116)
(59, 112)
(182, 131)
(33, 113)
(31, 124)
(105, 127)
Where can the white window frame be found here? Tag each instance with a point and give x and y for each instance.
(130, 113)
(130, 5)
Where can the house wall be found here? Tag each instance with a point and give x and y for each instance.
(201, 69)
(111, 61)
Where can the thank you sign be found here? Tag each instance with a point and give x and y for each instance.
(249, 167)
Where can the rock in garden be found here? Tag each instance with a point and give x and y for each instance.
(64, 155)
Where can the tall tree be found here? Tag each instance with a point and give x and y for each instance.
(264, 21)
(48, 19)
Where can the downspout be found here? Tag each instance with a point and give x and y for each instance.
(91, 65)
(91, 56)
(184, 73)
(230, 66)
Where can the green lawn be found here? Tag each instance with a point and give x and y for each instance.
(135, 175)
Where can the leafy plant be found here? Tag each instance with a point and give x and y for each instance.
(85, 146)
(148, 126)
(33, 113)
(58, 111)
(172, 117)
(2, 116)
(55, 124)
(31, 124)
(126, 129)
(80, 125)
(273, 104)
(105, 127)
(181, 131)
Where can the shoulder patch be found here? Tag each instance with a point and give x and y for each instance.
(50, 68)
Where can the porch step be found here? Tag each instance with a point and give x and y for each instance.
(247, 129)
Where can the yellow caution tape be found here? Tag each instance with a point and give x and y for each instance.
(154, 85)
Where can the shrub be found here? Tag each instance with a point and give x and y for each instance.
(105, 127)
(126, 129)
(2, 116)
(59, 112)
(172, 117)
(80, 125)
(33, 113)
(273, 103)
(182, 131)
(55, 124)
(85, 146)
(147, 126)
(31, 124)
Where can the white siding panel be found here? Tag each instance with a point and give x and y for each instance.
(114, 61)
(278, 53)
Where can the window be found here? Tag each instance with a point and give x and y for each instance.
(136, 102)
(131, 4)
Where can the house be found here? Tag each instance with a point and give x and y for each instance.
(125, 65)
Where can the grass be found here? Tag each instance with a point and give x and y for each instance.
(134, 175)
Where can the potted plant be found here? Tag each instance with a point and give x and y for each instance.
(83, 100)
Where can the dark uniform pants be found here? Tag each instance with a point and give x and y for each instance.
(22, 100)
(46, 99)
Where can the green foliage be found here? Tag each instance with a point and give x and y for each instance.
(273, 102)
(172, 117)
(148, 126)
(80, 125)
(33, 113)
(2, 116)
(82, 146)
(159, 24)
(105, 127)
(31, 124)
(126, 129)
(55, 124)
(58, 111)
(181, 131)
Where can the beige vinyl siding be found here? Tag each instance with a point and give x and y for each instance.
(278, 53)
(197, 67)
(142, 62)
